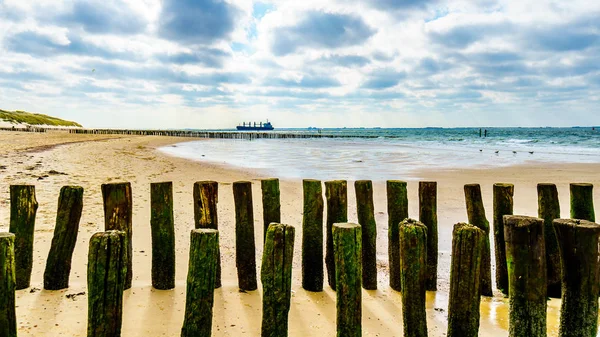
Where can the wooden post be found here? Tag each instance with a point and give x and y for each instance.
(582, 202)
(549, 209)
(476, 215)
(428, 217)
(23, 207)
(503, 205)
(366, 219)
(397, 204)
(578, 242)
(201, 278)
(312, 236)
(106, 275)
(465, 272)
(276, 278)
(347, 252)
(58, 267)
(413, 262)
(526, 263)
(206, 197)
(8, 320)
(245, 254)
(336, 193)
(270, 202)
(162, 226)
(118, 214)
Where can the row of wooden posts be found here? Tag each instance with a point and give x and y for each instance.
(537, 250)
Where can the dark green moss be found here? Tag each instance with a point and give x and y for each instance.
(428, 217)
(206, 197)
(366, 219)
(397, 204)
(347, 240)
(336, 193)
(162, 226)
(476, 215)
(271, 203)
(245, 249)
(312, 236)
(503, 205)
(582, 202)
(23, 208)
(8, 320)
(549, 209)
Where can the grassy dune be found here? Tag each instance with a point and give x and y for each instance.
(34, 119)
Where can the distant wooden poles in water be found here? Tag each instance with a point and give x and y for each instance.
(204, 249)
(245, 251)
(503, 205)
(413, 261)
(162, 226)
(58, 265)
(8, 320)
(206, 197)
(582, 201)
(397, 206)
(578, 242)
(549, 210)
(476, 215)
(347, 240)
(366, 219)
(526, 262)
(276, 279)
(336, 193)
(270, 202)
(23, 208)
(106, 276)
(465, 273)
(118, 214)
(312, 236)
(428, 217)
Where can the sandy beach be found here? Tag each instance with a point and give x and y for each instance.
(91, 160)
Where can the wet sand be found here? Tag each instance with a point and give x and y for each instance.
(90, 160)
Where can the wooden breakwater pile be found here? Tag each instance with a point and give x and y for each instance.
(536, 257)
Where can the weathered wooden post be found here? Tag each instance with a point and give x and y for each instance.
(276, 278)
(206, 197)
(503, 205)
(271, 203)
(428, 217)
(366, 219)
(8, 320)
(526, 263)
(118, 214)
(162, 225)
(106, 276)
(58, 267)
(23, 207)
(347, 252)
(465, 272)
(549, 209)
(476, 215)
(245, 254)
(413, 262)
(204, 248)
(397, 205)
(582, 202)
(336, 193)
(578, 243)
(312, 236)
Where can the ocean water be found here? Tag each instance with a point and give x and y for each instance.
(396, 153)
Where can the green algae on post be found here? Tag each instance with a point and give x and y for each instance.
(347, 240)
(526, 264)
(428, 217)
(276, 279)
(271, 203)
(23, 208)
(58, 267)
(549, 209)
(413, 263)
(312, 236)
(578, 245)
(162, 226)
(366, 220)
(503, 205)
(465, 272)
(336, 193)
(245, 250)
(476, 215)
(206, 197)
(582, 201)
(397, 205)
(8, 320)
(204, 248)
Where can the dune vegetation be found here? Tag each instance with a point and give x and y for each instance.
(22, 117)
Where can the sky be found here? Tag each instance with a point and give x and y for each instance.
(324, 63)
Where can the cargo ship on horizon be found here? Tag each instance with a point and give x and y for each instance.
(254, 126)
